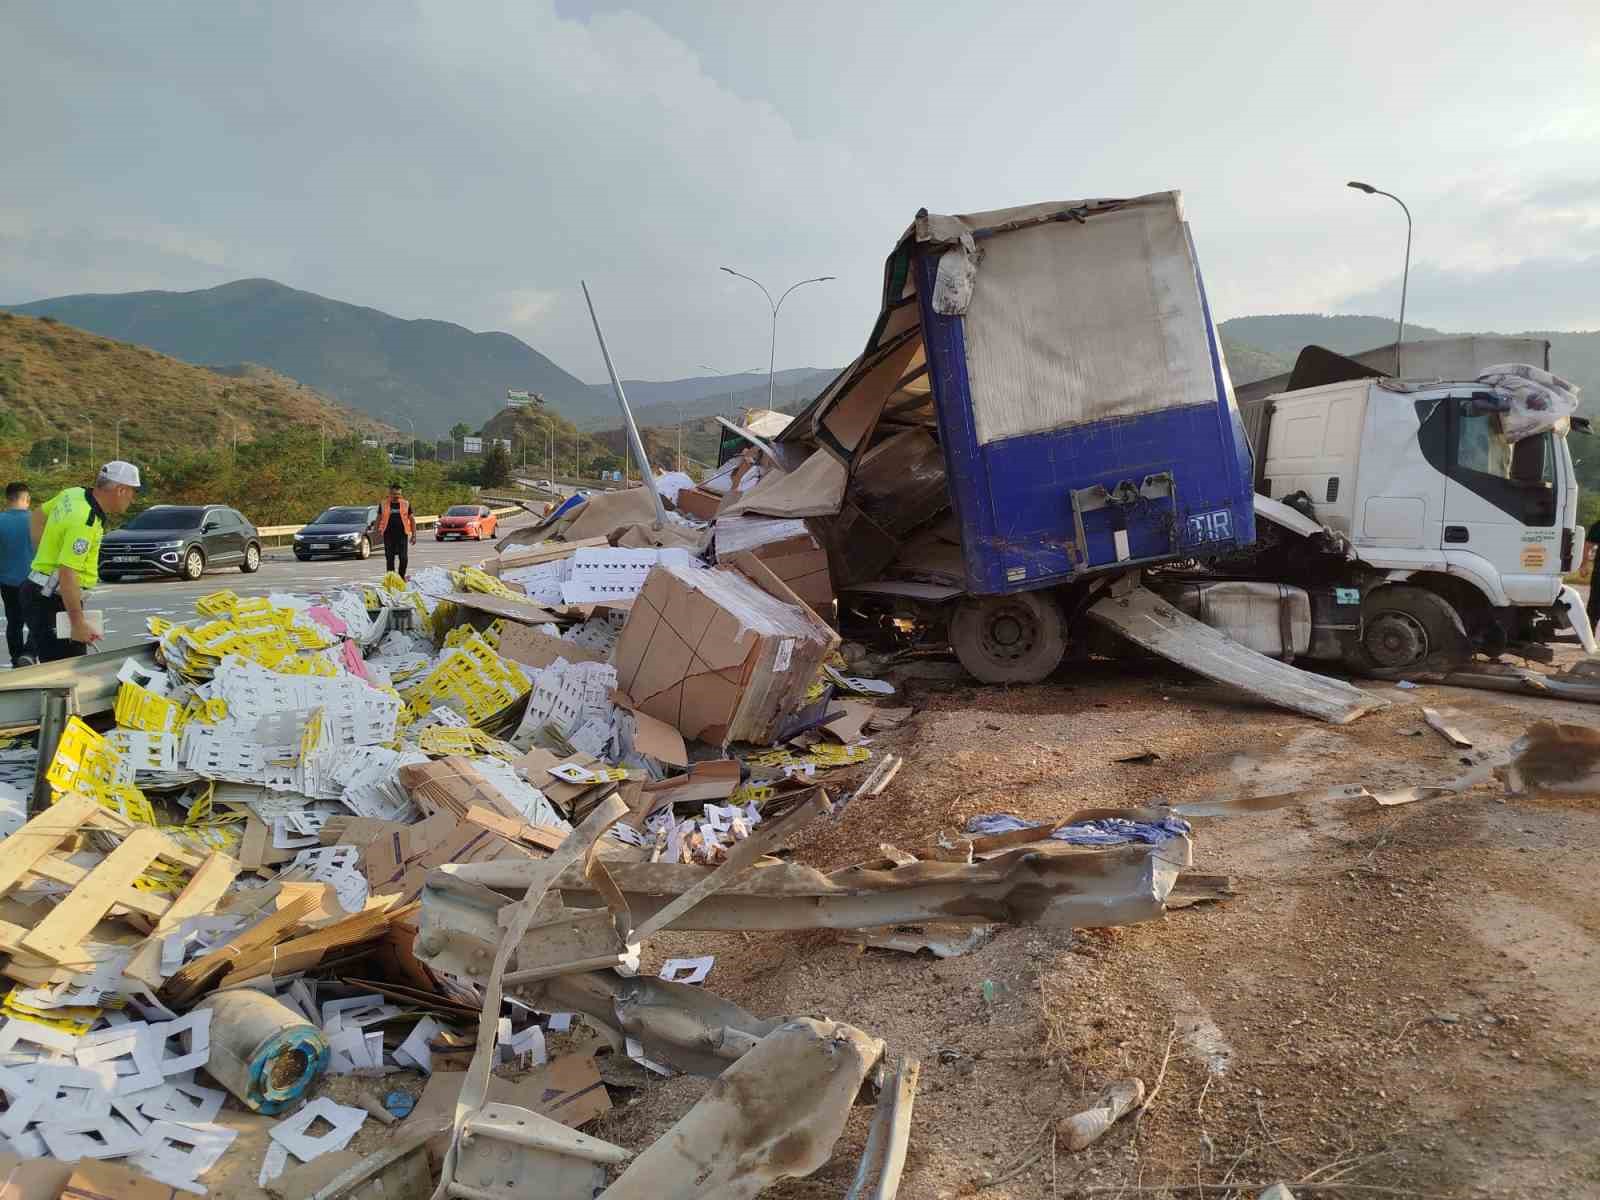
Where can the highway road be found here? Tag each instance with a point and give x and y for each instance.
(127, 606)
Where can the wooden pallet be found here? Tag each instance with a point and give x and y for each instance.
(40, 848)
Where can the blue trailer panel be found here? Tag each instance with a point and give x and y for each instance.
(1138, 487)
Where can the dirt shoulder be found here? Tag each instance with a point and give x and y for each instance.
(1397, 998)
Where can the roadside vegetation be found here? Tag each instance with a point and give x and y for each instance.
(284, 479)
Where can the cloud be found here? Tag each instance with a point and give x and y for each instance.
(527, 308)
(37, 260)
(473, 163)
(1537, 293)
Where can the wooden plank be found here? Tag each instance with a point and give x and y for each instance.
(206, 887)
(304, 952)
(60, 935)
(1149, 621)
(59, 870)
(41, 836)
(192, 979)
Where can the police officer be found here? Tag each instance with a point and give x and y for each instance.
(66, 566)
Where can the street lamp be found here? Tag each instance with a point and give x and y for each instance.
(119, 437)
(91, 441)
(678, 408)
(413, 425)
(715, 371)
(772, 356)
(1405, 278)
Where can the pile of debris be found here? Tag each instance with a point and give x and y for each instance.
(398, 831)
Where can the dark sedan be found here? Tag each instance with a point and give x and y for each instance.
(181, 540)
(349, 532)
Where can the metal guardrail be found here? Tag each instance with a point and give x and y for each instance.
(46, 694)
(91, 678)
(273, 531)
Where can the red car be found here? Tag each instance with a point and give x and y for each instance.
(473, 521)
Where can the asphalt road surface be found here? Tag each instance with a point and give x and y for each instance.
(128, 605)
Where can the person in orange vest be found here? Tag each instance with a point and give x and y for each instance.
(397, 529)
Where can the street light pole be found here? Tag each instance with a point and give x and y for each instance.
(119, 437)
(91, 442)
(715, 371)
(772, 356)
(1405, 277)
(413, 425)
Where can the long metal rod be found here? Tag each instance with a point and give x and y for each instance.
(627, 416)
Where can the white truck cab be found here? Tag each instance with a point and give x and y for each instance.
(1435, 536)
(1421, 479)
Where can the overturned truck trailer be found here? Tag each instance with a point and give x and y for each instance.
(1042, 404)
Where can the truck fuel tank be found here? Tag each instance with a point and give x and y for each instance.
(1271, 618)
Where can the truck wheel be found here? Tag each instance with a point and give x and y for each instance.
(1409, 631)
(1009, 639)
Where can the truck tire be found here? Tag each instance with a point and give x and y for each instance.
(1408, 631)
(1009, 639)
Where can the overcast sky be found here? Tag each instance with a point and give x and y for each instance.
(472, 161)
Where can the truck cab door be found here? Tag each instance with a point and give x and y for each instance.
(1503, 500)
(1398, 513)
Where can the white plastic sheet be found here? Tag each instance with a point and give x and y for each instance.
(1537, 400)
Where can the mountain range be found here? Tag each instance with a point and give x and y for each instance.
(432, 372)
(437, 373)
(57, 382)
(1272, 342)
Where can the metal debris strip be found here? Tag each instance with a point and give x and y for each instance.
(1149, 621)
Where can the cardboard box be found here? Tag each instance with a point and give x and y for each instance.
(699, 504)
(95, 1180)
(723, 655)
(802, 564)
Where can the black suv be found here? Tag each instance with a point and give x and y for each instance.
(181, 540)
(340, 532)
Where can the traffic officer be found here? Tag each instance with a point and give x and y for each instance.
(397, 529)
(66, 566)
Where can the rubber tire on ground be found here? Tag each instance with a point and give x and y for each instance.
(1448, 648)
(248, 567)
(190, 571)
(302, 557)
(1019, 638)
(364, 551)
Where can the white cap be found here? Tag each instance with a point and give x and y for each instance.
(120, 472)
